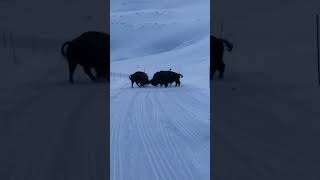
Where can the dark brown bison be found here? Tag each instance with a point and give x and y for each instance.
(216, 58)
(140, 78)
(165, 78)
(90, 50)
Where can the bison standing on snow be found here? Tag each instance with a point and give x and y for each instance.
(90, 50)
(165, 78)
(217, 51)
(140, 78)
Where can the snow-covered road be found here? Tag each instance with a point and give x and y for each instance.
(159, 133)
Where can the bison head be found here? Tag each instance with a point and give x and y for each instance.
(153, 82)
(145, 82)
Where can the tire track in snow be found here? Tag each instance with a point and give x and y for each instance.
(161, 155)
(156, 157)
(164, 134)
(159, 135)
(173, 141)
(180, 123)
(187, 114)
(117, 118)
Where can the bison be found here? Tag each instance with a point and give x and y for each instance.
(140, 78)
(217, 51)
(165, 78)
(90, 50)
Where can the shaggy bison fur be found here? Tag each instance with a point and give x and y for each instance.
(165, 78)
(140, 78)
(217, 51)
(90, 50)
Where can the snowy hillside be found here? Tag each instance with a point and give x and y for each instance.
(160, 133)
(266, 110)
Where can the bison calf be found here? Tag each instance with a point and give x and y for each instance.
(90, 50)
(140, 78)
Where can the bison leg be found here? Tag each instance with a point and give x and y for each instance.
(132, 83)
(88, 72)
(221, 70)
(213, 72)
(177, 83)
(166, 85)
(72, 68)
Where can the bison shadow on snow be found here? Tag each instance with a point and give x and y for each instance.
(91, 50)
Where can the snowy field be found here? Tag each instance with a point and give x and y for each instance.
(266, 110)
(160, 133)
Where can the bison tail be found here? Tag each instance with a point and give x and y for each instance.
(181, 75)
(63, 52)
